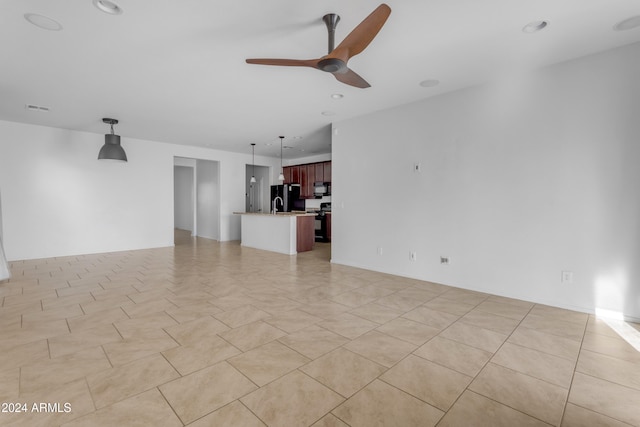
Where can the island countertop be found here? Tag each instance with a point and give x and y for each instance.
(279, 214)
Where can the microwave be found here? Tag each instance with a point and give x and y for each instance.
(321, 189)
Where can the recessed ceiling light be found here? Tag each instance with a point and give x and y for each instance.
(43, 22)
(328, 113)
(534, 27)
(108, 6)
(430, 83)
(297, 137)
(337, 95)
(628, 24)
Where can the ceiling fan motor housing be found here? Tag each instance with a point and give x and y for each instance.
(333, 65)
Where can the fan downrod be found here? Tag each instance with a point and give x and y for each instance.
(331, 21)
(332, 65)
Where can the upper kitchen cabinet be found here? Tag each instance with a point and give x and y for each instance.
(304, 193)
(291, 174)
(306, 175)
(319, 176)
(287, 172)
(295, 175)
(308, 182)
(326, 169)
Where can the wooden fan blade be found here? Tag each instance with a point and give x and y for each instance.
(362, 35)
(313, 63)
(352, 79)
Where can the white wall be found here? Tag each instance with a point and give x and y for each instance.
(208, 206)
(519, 181)
(4, 265)
(309, 159)
(183, 198)
(1, 228)
(58, 199)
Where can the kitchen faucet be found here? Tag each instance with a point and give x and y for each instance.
(275, 210)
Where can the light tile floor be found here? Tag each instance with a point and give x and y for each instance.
(213, 334)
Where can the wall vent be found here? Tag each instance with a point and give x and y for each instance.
(40, 108)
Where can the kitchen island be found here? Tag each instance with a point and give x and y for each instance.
(286, 232)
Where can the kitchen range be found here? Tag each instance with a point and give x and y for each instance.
(323, 223)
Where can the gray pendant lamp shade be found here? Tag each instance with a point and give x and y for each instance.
(112, 150)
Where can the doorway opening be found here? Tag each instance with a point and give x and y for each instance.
(257, 194)
(196, 197)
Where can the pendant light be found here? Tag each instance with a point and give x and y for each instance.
(253, 170)
(112, 150)
(281, 176)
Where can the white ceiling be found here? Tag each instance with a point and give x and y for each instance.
(174, 70)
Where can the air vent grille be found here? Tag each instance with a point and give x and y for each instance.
(40, 108)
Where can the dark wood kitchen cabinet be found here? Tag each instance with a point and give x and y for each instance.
(305, 233)
(326, 166)
(306, 176)
(286, 171)
(291, 174)
(311, 175)
(295, 174)
(304, 192)
(319, 176)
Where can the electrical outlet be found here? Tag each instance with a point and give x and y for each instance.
(413, 256)
(567, 277)
(445, 260)
(379, 250)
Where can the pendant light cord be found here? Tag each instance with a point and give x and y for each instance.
(253, 154)
(281, 170)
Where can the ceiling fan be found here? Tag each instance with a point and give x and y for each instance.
(335, 62)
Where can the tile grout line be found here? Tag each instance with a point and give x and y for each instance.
(573, 374)
(507, 406)
(93, 399)
(169, 404)
(344, 399)
(387, 369)
(412, 354)
(249, 409)
(485, 365)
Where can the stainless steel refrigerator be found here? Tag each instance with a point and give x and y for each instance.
(290, 194)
